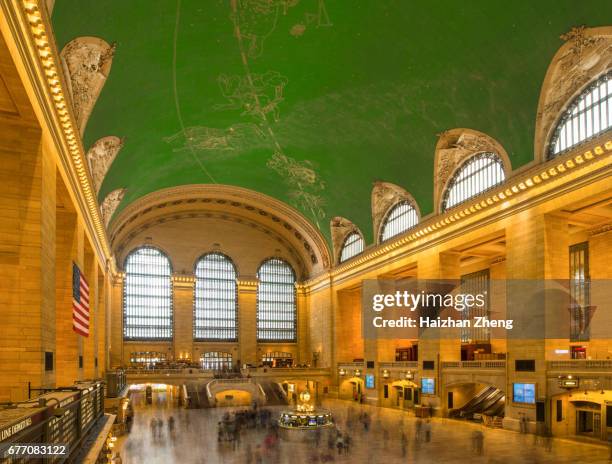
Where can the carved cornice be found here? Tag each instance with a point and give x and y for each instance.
(236, 201)
(385, 196)
(536, 178)
(100, 157)
(110, 203)
(340, 229)
(87, 62)
(600, 230)
(454, 147)
(120, 248)
(30, 29)
(586, 54)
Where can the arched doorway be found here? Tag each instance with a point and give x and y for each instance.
(352, 389)
(401, 394)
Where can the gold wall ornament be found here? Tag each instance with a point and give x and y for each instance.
(110, 203)
(586, 55)
(31, 31)
(385, 196)
(340, 229)
(454, 147)
(87, 62)
(100, 157)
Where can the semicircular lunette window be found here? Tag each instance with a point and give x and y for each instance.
(401, 217)
(587, 116)
(352, 246)
(478, 174)
(215, 315)
(147, 296)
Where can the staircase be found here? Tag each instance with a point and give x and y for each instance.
(275, 395)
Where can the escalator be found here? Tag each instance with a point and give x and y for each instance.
(198, 397)
(490, 401)
(275, 395)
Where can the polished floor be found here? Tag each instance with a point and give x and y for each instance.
(194, 440)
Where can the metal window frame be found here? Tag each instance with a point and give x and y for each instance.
(345, 246)
(170, 297)
(222, 360)
(387, 222)
(473, 283)
(195, 299)
(580, 292)
(473, 189)
(565, 120)
(261, 331)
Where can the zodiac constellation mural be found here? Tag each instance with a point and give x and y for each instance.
(259, 95)
(319, 19)
(304, 181)
(236, 138)
(256, 94)
(256, 20)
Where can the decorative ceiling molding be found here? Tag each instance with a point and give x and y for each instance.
(110, 203)
(87, 62)
(340, 229)
(169, 216)
(597, 156)
(237, 201)
(585, 55)
(453, 148)
(32, 34)
(100, 157)
(385, 196)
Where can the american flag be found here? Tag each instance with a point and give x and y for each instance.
(80, 302)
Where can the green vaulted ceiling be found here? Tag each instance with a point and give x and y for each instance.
(311, 101)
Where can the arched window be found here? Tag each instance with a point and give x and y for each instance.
(587, 116)
(352, 246)
(276, 309)
(147, 295)
(477, 174)
(215, 317)
(216, 360)
(400, 218)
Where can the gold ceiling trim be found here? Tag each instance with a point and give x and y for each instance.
(541, 174)
(43, 43)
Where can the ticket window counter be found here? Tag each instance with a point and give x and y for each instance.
(405, 397)
(588, 423)
(588, 419)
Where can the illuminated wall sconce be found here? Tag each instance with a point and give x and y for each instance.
(409, 375)
(385, 373)
(342, 372)
(357, 372)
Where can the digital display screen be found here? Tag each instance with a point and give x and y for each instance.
(369, 381)
(524, 393)
(427, 386)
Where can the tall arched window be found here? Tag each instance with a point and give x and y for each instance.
(400, 218)
(215, 317)
(147, 295)
(276, 308)
(477, 174)
(587, 116)
(352, 246)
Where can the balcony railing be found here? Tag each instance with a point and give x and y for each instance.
(351, 365)
(580, 365)
(399, 365)
(497, 364)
